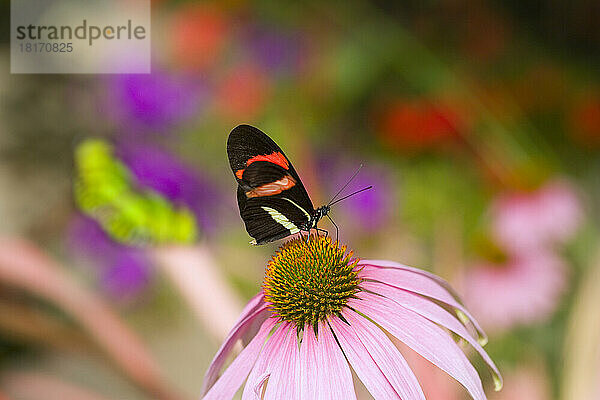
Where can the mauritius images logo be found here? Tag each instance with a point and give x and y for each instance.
(93, 36)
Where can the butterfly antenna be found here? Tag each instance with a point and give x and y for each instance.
(351, 194)
(345, 186)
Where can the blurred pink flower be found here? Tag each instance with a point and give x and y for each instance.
(525, 383)
(525, 222)
(29, 269)
(318, 312)
(523, 290)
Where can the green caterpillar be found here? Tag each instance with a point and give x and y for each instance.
(105, 190)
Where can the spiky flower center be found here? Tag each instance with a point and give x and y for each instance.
(306, 281)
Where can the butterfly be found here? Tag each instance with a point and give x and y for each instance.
(272, 200)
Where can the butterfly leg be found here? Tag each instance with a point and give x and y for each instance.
(322, 230)
(337, 230)
(307, 235)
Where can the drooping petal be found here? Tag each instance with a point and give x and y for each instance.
(262, 368)
(377, 362)
(423, 336)
(234, 376)
(253, 310)
(392, 264)
(420, 282)
(434, 313)
(244, 333)
(324, 372)
(255, 325)
(284, 380)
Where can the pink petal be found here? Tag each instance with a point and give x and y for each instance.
(284, 382)
(253, 310)
(324, 372)
(234, 376)
(255, 325)
(262, 369)
(423, 336)
(377, 362)
(420, 282)
(434, 313)
(395, 265)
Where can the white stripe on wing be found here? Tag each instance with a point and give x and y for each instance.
(303, 210)
(282, 220)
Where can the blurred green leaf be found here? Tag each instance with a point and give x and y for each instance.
(105, 190)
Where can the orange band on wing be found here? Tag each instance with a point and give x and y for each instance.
(239, 173)
(275, 157)
(273, 188)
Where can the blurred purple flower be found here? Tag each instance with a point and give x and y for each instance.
(155, 168)
(367, 211)
(128, 275)
(124, 271)
(155, 102)
(275, 50)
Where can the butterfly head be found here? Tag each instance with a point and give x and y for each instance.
(320, 213)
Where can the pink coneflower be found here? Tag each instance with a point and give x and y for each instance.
(526, 287)
(524, 222)
(321, 311)
(523, 290)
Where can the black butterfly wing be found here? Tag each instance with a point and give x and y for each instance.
(271, 197)
(269, 219)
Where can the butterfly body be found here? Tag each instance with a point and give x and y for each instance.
(272, 200)
(316, 217)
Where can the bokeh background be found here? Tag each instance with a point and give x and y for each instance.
(478, 123)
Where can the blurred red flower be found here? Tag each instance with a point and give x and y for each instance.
(198, 34)
(584, 122)
(243, 92)
(419, 124)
